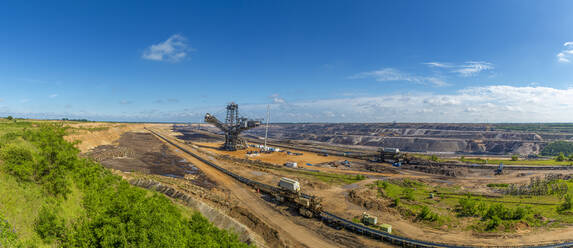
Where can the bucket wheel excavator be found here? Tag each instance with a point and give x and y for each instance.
(232, 127)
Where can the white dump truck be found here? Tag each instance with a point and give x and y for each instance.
(289, 184)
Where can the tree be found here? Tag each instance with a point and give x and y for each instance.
(514, 158)
(567, 203)
(560, 158)
(9, 118)
(434, 158)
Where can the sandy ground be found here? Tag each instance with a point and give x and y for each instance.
(91, 139)
(335, 197)
(259, 207)
(274, 157)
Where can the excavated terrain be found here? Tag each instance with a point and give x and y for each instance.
(419, 137)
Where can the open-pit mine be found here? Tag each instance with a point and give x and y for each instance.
(354, 185)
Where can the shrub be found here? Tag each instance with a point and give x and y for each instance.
(18, 161)
(560, 157)
(408, 193)
(514, 158)
(557, 147)
(396, 202)
(567, 203)
(471, 207)
(493, 224)
(434, 158)
(9, 118)
(8, 235)
(48, 224)
(427, 215)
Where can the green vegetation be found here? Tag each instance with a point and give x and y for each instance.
(334, 178)
(434, 158)
(8, 237)
(544, 202)
(514, 157)
(535, 127)
(558, 148)
(51, 197)
(9, 118)
(536, 162)
(567, 204)
(497, 185)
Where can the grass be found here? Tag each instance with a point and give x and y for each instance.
(446, 199)
(546, 162)
(508, 161)
(332, 178)
(18, 204)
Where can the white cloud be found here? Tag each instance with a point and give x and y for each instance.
(173, 49)
(472, 68)
(439, 64)
(498, 103)
(53, 96)
(467, 69)
(277, 99)
(566, 54)
(391, 74)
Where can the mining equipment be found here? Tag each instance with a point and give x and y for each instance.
(391, 155)
(369, 219)
(232, 127)
(499, 169)
(308, 206)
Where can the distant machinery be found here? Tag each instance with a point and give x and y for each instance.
(499, 170)
(232, 127)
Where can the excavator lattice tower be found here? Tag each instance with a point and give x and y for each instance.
(232, 127)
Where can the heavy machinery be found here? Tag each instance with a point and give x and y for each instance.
(391, 155)
(499, 169)
(232, 127)
(308, 206)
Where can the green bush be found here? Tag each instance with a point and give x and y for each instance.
(18, 161)
(48, 224)
(493, 223)
(567, 204)
(469, 207)
(498, 185)
(427, 215)
(115, 214)
(8, 237)
(504, 213)
(514, 158)
(560, 157)
(9, 118)
(557, 147)
(408, 193)
(396, 202)
(434, 158)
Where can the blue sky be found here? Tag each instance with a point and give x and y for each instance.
(313, 61)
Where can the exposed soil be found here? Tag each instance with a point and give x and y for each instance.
(143, 152)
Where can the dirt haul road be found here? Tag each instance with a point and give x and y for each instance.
(255, 204)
